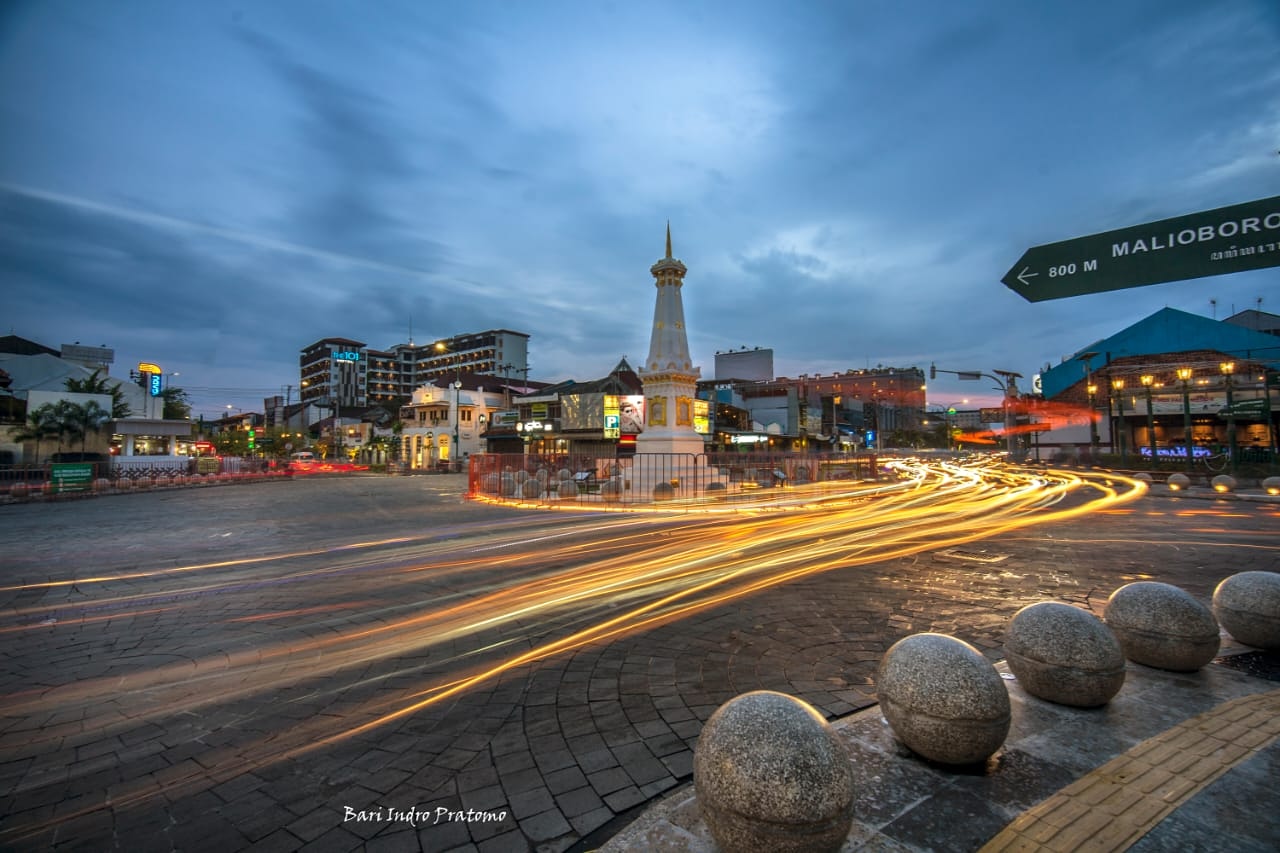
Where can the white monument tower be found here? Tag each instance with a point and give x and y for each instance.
(669, 377)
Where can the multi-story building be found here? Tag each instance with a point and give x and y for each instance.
(335, 371)
(819, 411)
(347, 372)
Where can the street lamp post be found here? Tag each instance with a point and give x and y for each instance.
(1147, 381)
(457, 387)
(1093, 423)
(1184, 374)
(1228, 368)
(1118, 385)
(1087, 358)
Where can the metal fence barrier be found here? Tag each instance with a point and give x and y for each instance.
(659, 478)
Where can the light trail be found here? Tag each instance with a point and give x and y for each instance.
(604, 578)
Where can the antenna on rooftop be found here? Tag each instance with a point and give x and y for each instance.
(1214, 303)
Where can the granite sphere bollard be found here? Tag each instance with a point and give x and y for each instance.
(1248, 606)
(1163, 626)
(1178, 482)
(1062, 654)
(1223, 483)
(771, 776)
(943, 699)
(1271, 485)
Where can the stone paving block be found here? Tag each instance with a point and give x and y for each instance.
(280, 841)
(513, 762)
(470, 780)
(590, 821)
(491, 798)
(949, 820)
(545, 826)
(531, 802)
(568, 779)
(578, 802)
(314, 824)
(404, 840)
(608, 781)
(445, 835)
(554, 759)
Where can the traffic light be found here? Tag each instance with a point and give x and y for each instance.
(251, 438)
(933, 371)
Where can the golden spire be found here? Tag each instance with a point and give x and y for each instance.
(668, 238)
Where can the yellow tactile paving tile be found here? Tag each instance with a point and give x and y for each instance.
(1112, 807)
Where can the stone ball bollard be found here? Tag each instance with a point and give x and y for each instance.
(1178, 482)
(530, 488)
(1143, 476)
(771, 776)
(664, 492)
(1065, 655)
(943, 699)
(1161, 625)
(1223, 483)
(508, 486)
(1271, 485)
(1248, 606)
(491, 484)
(567, 489)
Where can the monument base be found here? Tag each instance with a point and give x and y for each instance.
(666, 476)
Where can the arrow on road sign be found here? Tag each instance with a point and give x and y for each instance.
(1213, 242)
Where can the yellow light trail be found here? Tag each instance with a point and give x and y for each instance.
(603, 578)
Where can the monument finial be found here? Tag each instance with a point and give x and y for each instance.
(668, 238)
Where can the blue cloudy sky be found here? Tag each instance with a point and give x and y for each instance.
(213, 185)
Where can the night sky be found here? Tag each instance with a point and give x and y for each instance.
(212, 186)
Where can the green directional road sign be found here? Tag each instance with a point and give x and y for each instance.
(1229, 239)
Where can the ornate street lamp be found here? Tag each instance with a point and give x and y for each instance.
(1118, 385)
(1087, 358)
(1093, 422)
(1184, 373)
(1147, 381)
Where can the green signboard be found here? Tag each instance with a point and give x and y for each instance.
(72, 476)
(1215, 242)
(1255, 408)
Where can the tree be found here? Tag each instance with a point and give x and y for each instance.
(41, 423)
(70, 420)
(95, 383)
(397, 428)
(177, 404)
(90, 417)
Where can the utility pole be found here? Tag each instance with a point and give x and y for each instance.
(1007, 386)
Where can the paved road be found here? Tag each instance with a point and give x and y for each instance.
(273, 666)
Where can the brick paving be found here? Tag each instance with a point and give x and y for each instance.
(553, 755)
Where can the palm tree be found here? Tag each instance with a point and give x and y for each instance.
(68, 418)
(91, 418)
(95, 383)
(41, 423)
